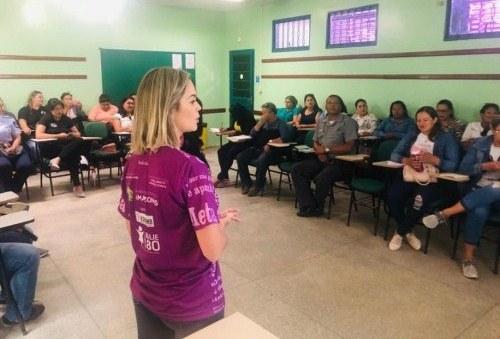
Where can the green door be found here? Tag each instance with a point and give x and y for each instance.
(241, 73)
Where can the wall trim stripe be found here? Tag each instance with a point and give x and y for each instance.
(43, 76)
(41, 58)
(386, 76)
(453, 52)
(213, 110)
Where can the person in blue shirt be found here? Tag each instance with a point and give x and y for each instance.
(290, 110)
(398, 124)
(15, 161)
(268, 128)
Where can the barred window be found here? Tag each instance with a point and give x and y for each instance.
(472, 19)
(352, 27)
(291, 34)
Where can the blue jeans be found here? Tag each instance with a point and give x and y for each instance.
(21, 164)
(478, 204)
(21, 262)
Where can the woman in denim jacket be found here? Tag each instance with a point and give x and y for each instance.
(408, 200)
(482, 163)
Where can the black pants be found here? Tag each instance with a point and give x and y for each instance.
(150, 326)
(324, 175)
(408, 201)
(261, 159)
(21, 164)
(226, 154)
(69, 151)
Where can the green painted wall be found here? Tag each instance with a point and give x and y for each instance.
(404, 25)
(141, 27)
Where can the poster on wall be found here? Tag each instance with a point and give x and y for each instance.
(177, 61)
(190, 61)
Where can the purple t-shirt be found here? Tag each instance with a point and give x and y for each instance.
(167, 196)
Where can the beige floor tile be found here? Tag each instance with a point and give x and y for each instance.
(273, 314)
(65, 316)
(359, 296)
(485, 328)
(101, 281)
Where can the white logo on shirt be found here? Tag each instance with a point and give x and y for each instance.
(146, 220)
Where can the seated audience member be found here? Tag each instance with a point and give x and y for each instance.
(125, 115)
(290, 110)
(335, 134)
(429, 147)
(449, 123)
(397, 125)
(367, 122)
(192, 142)
(482, 163)
(307, 117)
(73, 110)
(3, 110)
(104, 111)
(268, 128)
(21, 263)
(68, 148)
(478, 129)
(15, 161)
(28, 117)
(244, 121)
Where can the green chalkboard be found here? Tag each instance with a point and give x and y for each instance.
(122, 70)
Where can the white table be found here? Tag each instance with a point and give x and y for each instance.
(7, 197)
(236, 326)
(15, 219)
(352, 157)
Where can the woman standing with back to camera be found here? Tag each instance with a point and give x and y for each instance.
(172, 215)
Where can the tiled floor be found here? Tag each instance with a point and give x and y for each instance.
(298, 278)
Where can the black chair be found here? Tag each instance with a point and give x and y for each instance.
(46, 170)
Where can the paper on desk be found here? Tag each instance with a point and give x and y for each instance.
(394, 164)
(279, 144)
(239, 138)
(214, 130)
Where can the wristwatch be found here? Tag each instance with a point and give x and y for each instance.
(327, 150)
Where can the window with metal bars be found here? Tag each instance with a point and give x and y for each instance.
(352, 27)
(472, 19)
(291, 34)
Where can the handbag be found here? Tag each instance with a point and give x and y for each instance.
(425, 177)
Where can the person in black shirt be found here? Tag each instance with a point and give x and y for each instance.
(28, 117)
(192, 142)
(242, 122)
(68, 148)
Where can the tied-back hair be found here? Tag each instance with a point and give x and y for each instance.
(52, 103)
(489, 105)
(31, 96)
(436, 129)
(343, 106)
(293, 100)
(448, 104)
(158, 96)
(402, 104)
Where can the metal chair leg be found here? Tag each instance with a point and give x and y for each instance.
(427, 240)
(351, 203)
(377, 218)
(279, 186)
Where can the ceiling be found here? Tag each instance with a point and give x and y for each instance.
(216, 5)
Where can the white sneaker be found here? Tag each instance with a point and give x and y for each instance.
(469, 270)
(413, 241)
(396, 242)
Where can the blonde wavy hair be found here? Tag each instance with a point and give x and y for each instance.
(31, 96)
(158, 96)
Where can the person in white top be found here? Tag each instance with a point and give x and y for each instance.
(125, 116)
(478, 129)
(367, 122)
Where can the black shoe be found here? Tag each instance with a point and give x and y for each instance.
(36, 310)
(245, 189)
(255, 191)
(316, 212)
(304, 212)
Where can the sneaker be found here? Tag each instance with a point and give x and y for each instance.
(36, 310)
(93, 177)
(469, 270)
(78, 190)
(413, 241)
(434, 220)
(222, 183)
(53, 166)
(396, 242)
(43, 252)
